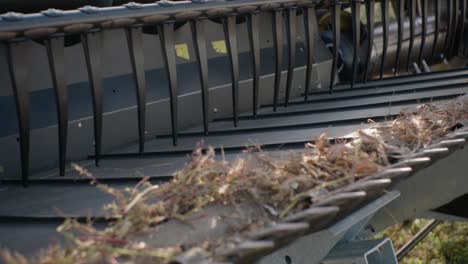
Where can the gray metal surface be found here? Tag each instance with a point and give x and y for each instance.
(378, 251)
(315, 247)
(446, 178)
(80, 141)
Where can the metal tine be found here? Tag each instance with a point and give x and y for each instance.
(458, 134)
(416, 68)
(425, 66)
(424, 13)
(371, 187)
(465, 36)
(279, 49)
(280, 231)
(253, 22)
(56, 55)
(461, 35)
(449, 27)
(346, 201)
(230, 33)
(416, 163)
(412, 16)
(340, 199)
(336, 11)
(166, 35)
(318, 217)
(452, 144)
(199, 40)
(370, 40)
(22, 111)
(312, 214)
(311, 28)
(437, 29)
(464, 128)
(356, 25)
(401, 27)
(454, 28)
(248, 248)
(92, 49)
(292, 35)
(135, 45)
(385, 27)
(393, 174)
(433, 153)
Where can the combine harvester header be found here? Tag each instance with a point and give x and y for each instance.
(114, 92)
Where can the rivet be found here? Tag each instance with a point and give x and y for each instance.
(13, 16)
(133, 5)
(89, 9)
(52, 12)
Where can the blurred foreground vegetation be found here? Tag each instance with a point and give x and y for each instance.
(447, 244)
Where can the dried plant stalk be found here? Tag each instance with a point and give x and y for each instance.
(279, 184)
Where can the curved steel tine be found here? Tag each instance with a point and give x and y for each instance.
(336, 12)
(346, 201)
(312, 214)
(401, 27)
(340, 199)
(167, 38)
(248, 248)
(433, 153)
(415, 163)
(280, 231)
(199, 40)
(436, 30)
(292, 40)
(385, 28)
(461, 36)
(393, 174)
(424, 13)
(56, 55)
(279, 49)
(449, 28)
(460, 134)
(230, 34)
(135, 44)
(452, 144)
(462, 129)
(253, 21)
(92, 49)
(356, 25)
(22, 110)
(371, 187)
(416, 68)
(412, 15)
(425, 67)
(370, 39)
(364, 186)
(454, 28)
(311, 28)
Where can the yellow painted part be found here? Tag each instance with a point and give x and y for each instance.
(182, 51)
(219, 46)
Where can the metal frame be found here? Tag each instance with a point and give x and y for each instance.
(91, 23)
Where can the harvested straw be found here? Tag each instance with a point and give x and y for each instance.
(278, 184)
